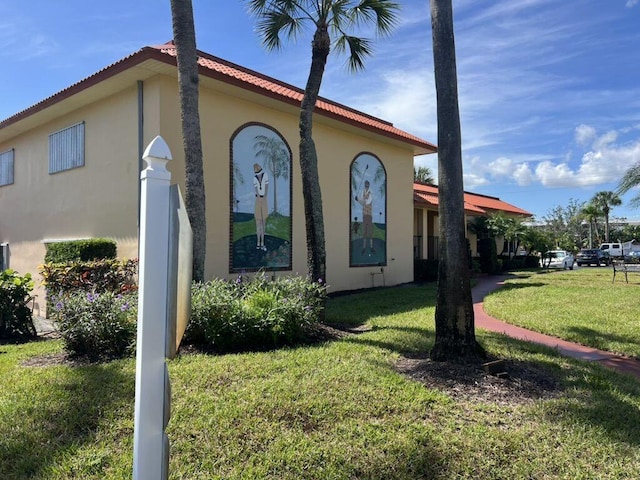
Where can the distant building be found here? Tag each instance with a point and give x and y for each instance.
(426, 234)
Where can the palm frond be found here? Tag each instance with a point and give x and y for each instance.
(630, 179)
(381, 13)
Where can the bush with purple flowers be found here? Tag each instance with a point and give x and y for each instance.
(254, 313)
(97, 325)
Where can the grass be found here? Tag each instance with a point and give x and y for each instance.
(336, 410)
(582, 306)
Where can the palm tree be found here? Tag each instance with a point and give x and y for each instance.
(423, 175)
(604, 201)
(276, 157)
(631, 179)
(184, 38)
(591, 213)
(331, 20)
(455, 330)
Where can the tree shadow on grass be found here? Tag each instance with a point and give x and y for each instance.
(602, 340)
(63, 412)
(358, 308)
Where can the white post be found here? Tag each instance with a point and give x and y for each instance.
(150, 443)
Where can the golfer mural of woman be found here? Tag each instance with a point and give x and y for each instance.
(260, 200)
(261, 211)
(368, 238)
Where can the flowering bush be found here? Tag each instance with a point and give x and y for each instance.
(97, 324)
(254, 313)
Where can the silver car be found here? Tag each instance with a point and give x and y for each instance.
(558, 259)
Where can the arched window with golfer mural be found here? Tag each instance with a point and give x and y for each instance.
(368, 232)
(260, 200)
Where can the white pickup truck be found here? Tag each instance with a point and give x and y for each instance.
(620, 249)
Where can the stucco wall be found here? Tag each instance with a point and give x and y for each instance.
(97, 200)
(222, 114)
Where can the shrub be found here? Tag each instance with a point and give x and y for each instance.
(16, 319)
(97, 276)
(254, 314)
(97, 325)
(80, 250)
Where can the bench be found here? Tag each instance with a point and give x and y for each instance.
(626, 268)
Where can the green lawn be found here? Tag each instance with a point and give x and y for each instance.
(582, 306)
(336, 410)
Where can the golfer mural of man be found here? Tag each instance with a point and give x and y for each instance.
(366, 200)
(261, 211)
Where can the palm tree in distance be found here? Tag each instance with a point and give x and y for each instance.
(184, 37)
(330, 20)
(276, 158)
(591, 213)
(423, 175)
(455, 328)
(604, 201)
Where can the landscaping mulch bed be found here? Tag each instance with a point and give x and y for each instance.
(524, 382)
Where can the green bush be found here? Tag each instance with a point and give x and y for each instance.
(16, 319)
(80, 250)
(97, 325)
(254, 314)
(97, 276)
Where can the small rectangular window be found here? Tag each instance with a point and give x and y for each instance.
(4, 256)
(6, 167)
(66, 149)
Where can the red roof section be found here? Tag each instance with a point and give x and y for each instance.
(233, 74)
(473, 202)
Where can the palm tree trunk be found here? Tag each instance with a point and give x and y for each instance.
(455, 330)
(316, 256)
(187, 58)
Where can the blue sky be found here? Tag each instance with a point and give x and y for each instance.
(549, 89)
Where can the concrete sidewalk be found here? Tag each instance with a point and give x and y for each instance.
(487, 285)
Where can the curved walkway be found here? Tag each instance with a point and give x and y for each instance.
(487, 285)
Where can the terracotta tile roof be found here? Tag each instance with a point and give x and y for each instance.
(233, 74)
(427, 194)
(473, 202)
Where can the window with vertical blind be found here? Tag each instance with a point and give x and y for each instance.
(6, 167)
(66, 148)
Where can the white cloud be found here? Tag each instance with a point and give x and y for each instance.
(631, 3)
(523, 175)
(584, 134)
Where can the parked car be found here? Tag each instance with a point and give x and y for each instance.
(558, 259)
(593, 256)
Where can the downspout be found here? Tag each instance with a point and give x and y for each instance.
(140, 142)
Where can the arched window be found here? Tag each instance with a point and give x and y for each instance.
(368, 212)
(260, 236)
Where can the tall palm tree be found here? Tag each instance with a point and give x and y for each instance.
(455, 329)
(604, 201)
(184, 38)
(591, 213)
(330, 21)
(631, 179)
(276, 157)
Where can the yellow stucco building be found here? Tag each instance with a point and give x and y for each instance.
(70, 168)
